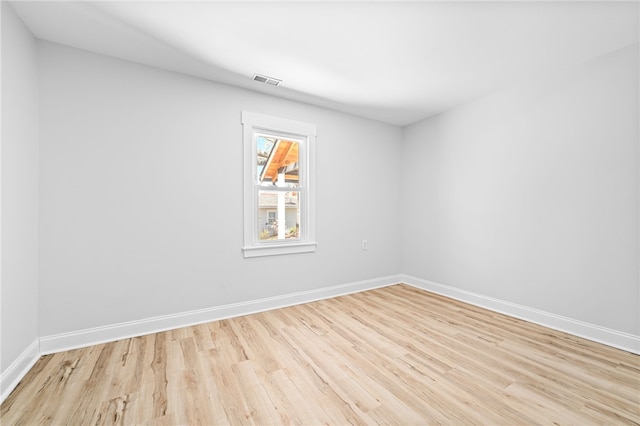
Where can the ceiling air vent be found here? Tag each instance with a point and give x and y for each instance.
(268, 80)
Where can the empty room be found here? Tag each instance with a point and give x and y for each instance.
(320, 212)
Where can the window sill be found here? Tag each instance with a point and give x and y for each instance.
(278, 249)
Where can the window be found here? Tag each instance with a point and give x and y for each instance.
(272, 217)
(279, 187)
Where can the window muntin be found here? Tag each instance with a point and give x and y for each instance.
(279, 194)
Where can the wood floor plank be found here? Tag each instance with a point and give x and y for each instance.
(395, 355)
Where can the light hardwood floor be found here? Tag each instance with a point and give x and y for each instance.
(395, 355)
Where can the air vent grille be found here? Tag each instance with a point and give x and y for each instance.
(267, 80)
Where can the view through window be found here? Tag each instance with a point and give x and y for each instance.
(278, 182)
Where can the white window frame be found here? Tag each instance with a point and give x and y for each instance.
(253, 123)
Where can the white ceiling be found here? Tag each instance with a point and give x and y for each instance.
(396, 62)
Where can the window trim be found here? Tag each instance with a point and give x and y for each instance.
(253, 122)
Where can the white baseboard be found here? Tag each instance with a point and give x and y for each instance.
(10, 378)
(97, 335)
(607, 336)
(82, 338)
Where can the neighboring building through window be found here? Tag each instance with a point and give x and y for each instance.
(279, 216)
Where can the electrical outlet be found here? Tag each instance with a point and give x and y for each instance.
(365, 245)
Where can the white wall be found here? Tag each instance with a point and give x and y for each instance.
(19, 191)
(531, 195)
(141, 195)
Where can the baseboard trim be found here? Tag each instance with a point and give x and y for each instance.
(10, 378)
(607, 336)
(110, 333)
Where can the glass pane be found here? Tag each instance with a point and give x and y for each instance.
(277, 161)
(278, 215)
